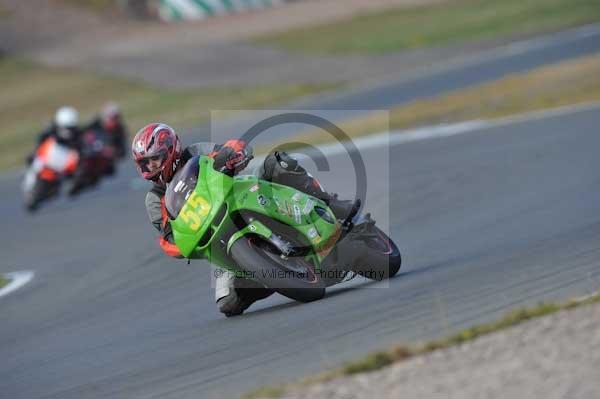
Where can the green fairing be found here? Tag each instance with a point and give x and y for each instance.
(255, 227)
(250, 194)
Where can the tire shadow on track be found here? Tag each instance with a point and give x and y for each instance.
(337, 292)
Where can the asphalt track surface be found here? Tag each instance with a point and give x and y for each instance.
(487, 221)
(442, 78)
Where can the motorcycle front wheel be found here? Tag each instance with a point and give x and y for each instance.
(40, 191)
(293, 277)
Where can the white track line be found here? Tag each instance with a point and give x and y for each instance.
(17, 280)
(397, 137)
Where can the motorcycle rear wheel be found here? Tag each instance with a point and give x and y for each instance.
(379, 257)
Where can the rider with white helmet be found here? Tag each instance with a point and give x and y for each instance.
(66, 122)
(64, 129)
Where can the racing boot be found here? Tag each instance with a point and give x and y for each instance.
(342, 209)
(234, 295)
(279, 167)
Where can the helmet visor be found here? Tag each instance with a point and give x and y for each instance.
(111, 123)
(65, 133)
(151, 165)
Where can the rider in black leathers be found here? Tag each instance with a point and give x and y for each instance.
(110, 121)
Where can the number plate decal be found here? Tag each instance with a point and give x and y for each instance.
(194, 211)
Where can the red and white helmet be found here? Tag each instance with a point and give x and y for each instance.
(156, 149)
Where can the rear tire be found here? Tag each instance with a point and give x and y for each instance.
(381, 257)
(292, 277)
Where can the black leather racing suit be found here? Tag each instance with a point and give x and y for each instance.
(118, 134)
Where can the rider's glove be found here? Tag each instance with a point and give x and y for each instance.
(238, 160)
(234, 156)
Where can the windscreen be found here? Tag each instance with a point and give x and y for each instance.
(181, 186)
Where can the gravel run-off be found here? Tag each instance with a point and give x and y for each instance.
(552, 357)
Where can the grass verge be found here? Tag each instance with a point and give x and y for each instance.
(436, 24)
(31, 93)
(570, 82)
(3, 281)
(385, 358)
(94, 5)
(4, 12)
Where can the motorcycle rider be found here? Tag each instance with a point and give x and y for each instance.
(110, 120)
(157, 152)
(64, 129)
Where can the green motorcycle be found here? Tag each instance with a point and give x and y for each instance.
(276, 235)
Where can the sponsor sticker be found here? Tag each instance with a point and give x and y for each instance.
(314, 235)
(285, 209)
(308, 206)
(297, 214)
(254, 188)
(179, 186)
(296, 197)
(140, 146)
(262, 200)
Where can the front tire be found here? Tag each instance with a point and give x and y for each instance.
(35, 195)
(292, 277)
